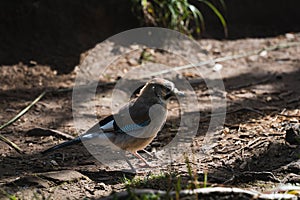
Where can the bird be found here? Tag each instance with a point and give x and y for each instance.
(134, 126)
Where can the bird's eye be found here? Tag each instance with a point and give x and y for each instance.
(168, 91)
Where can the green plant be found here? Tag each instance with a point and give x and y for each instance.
(178, 187)
(193, 183)
(144, 181)
(205, 179)
(180, 15)
(7, 195)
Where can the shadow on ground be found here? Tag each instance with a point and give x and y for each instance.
(272, 158)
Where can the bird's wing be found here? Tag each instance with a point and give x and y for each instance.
(109, 125)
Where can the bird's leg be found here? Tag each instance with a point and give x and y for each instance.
(141, 158)
(152, 155)
(147, 152)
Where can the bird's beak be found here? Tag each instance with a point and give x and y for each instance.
(178, 93)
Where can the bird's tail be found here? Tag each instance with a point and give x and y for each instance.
(65, 144)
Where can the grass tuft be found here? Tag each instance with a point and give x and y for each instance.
(180, 15)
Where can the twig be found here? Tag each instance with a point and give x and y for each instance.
(46, 132)
(20, 114)
(293, 100)
(244, 147)
(250, 175)
(287, 115)
(226, 58)
(205, 193)
(23, 111)
(61, 134)
(11, 144)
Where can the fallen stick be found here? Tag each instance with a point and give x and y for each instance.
(11, 144)
(46, 132)
(200, 193)
(20, 114)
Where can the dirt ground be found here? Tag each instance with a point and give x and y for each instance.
(251, 151)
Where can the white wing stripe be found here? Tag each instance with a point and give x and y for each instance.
(108, 126)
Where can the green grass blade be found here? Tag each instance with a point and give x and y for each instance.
(198, 18)
(205, 179)
(219, 15)
(173, 16)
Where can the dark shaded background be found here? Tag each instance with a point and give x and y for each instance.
(56, 32)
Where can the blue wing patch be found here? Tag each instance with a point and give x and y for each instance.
(133, 127)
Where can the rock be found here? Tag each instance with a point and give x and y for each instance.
(64, 176)
(54, 163)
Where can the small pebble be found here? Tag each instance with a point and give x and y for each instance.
(263, 53)
(54, 163)
(217, 67)
(290, 36)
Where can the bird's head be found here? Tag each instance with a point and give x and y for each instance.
(161, 88)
